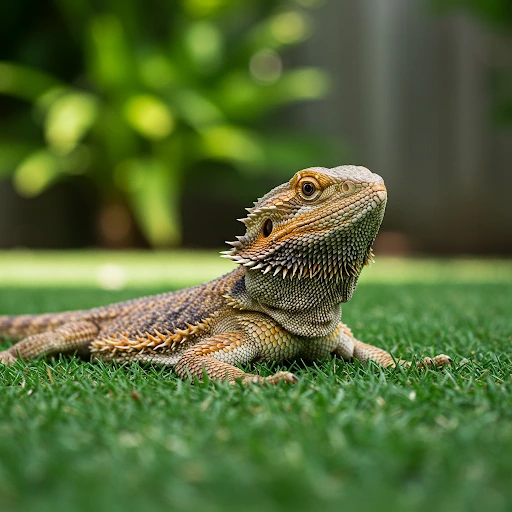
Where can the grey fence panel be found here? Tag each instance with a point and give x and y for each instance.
(412, 96)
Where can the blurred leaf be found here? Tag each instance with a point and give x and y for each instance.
(302, 84)
(197, 110)
(284, 28)
(78, 161)
(204, 8)
(69, 119)
(233, 144)
(116, 141)
(11, 154)
(244, 98)
(156, 71)
(36, 172)
(204, 44)
(288, 152)
(110, 57)
(153, 190)
(24, 82)
(290, 27)
(150, 116)
(45, 101)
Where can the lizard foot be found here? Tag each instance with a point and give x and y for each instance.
(281, 377)
(271, 379)
(435, 362)
(6, 357)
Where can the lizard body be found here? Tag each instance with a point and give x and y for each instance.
(305, 245)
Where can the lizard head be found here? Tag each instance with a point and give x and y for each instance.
(321, 224)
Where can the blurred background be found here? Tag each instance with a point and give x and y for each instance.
(137, 124)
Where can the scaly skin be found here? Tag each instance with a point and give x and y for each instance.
(305, 245)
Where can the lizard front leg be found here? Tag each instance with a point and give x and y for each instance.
(349, 347)
(66, 338)
(216, 356)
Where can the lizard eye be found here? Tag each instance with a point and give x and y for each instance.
(268, 227)
(308, 188)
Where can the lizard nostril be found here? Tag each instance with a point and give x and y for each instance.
(347, 187)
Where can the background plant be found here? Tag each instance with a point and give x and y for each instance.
(134, 94)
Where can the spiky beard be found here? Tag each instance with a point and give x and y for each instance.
(335, 255)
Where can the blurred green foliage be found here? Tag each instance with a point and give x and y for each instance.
(150, 89)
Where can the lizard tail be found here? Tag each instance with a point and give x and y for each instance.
(21, 326)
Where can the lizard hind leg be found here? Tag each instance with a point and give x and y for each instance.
(66, 338)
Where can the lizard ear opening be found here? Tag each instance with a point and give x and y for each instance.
(268, 226)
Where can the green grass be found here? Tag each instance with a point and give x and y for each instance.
(82, 436)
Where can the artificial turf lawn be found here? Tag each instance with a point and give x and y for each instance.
(82, 436)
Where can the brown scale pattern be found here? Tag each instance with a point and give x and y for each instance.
(305, 245)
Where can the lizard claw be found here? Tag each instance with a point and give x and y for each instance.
(271, 379)
(252, 379)
(439, 361)
(281, 377)
(7, 358)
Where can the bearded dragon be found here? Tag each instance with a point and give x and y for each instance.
(305, 245)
